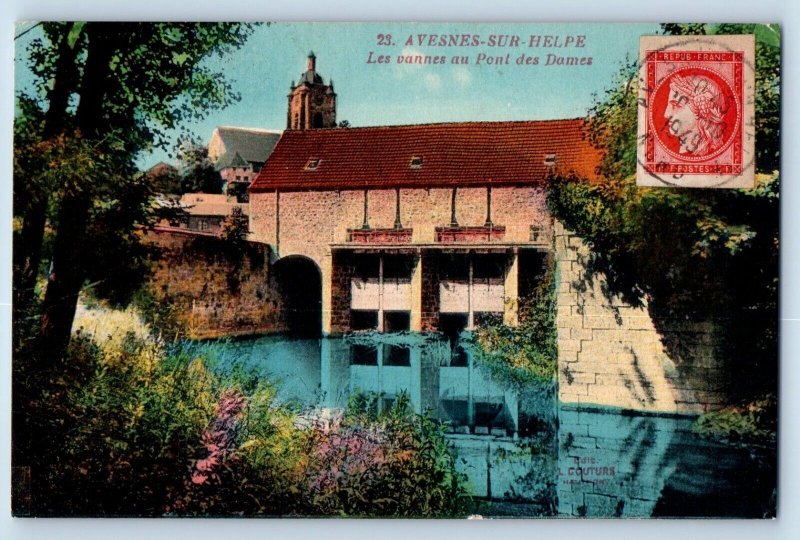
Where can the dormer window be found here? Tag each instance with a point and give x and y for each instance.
(550, 160)
(416, 162)
(312, 164)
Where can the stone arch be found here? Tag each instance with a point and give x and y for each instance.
(298, 280)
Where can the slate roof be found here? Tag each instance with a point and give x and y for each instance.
(243, 146)
(452, 154)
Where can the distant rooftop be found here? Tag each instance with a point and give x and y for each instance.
(208, 204)
(244, 145)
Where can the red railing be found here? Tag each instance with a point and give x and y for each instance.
(379, 236)
(457, 235)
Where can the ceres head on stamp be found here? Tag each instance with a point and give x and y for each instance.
(696, 114)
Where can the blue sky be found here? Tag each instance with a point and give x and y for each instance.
(373, 94)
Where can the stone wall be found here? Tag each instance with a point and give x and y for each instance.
(197, 281)
(612, 465)
(613, 354)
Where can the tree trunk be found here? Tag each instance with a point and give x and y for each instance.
(68, 272)
(32, 207)
(66, 277)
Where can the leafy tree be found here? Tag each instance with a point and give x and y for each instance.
(164, 179)
(696, 254)
(197, 174)
(128, 83)
(235, 228)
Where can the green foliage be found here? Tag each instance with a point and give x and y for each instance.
(162, 317)
(164, 180)
(235, 228)
(110, 91)
(240, 191)
(752, 423)
(611, 123)
(395, 463)
(127, 423)
(197, 174)
(526, 353)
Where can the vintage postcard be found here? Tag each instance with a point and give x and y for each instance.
(418, 270)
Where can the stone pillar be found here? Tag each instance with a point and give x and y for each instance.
(415, 390)
(380, 294)
(511, 286)
(416, 296)
(327, 293)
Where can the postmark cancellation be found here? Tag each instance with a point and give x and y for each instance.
(696, 111)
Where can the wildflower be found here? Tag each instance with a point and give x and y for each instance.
(219, 438)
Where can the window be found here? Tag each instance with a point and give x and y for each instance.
(238, 178)
(396, 321)
(312, 164)
(203, 224)
(363, 319)
(416, 162)
(396, 355)
(364, 355)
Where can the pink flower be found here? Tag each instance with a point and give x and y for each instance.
(219, 438)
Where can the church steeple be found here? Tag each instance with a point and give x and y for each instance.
(312, 103)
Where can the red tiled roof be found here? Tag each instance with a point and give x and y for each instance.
(468, 153)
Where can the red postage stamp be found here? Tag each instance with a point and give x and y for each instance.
(696, 120)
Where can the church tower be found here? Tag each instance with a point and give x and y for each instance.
(312, 103)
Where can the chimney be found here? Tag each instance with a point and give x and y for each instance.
(312, 62)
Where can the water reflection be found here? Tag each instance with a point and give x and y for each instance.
(596, 464)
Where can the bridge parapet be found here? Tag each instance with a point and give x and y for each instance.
(459, 235)
(379, 236)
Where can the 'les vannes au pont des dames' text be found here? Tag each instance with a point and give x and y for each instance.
(413, 43)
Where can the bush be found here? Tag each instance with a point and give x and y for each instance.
(527, 353)
(131, 427)
(394, 464)
(125, 427)
(753, 423)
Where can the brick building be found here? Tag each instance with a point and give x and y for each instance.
(197, 213)
(421, 227)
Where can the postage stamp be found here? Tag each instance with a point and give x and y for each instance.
(696, 111)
